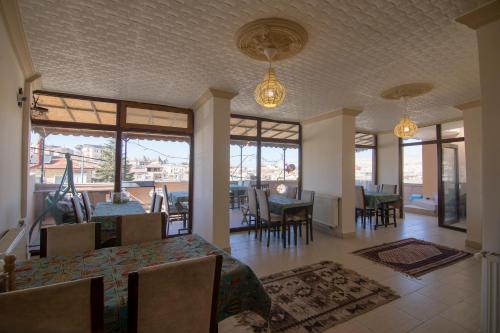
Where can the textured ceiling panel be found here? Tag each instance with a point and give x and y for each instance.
(169, 52)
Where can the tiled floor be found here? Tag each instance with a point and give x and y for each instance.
(445, 300)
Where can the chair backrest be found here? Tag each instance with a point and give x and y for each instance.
(389, 189)
(77, 209)
(252, 201)
(158, 204)
(360, 197)
(134, 229)
(264, 186)
(262, 199)
(291, 192)
(87, 205)
(166, 197)
(176, 297)
(153, 201)
(69, 239)
(307, 195)
(76, 306)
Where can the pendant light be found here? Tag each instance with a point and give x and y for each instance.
(406, 128)
(270, 93)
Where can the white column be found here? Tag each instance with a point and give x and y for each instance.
(487, 24)
(328, 162)
(211, 167)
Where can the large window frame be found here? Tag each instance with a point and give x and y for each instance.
(259, 140)
(121, 126)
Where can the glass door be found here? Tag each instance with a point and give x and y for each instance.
(453, 184)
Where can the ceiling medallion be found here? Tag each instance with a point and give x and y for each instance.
(271, 39)
(406, 128)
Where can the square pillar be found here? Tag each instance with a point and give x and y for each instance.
(211, 167)
(328, 162)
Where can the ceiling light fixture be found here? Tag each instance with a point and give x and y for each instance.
(271, 39)
(270, 92)
(406, 128)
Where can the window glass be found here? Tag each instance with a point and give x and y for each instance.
(364, 139)
(452, 130)
(279, 166)
(276, 130)
(142, 116)
(423, 134)
(243, 127)
(364, 166)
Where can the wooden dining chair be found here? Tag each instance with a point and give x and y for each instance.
(158, 204)
(270, 221)
(389, 189)
(362, 210)
(153, 202)
(253, 212)
(176, 297)
(69, 239)
(76, 306)
(176, 210)
(77, 209)
(134, 229)
(304, 217)
(291, 192)
(87, 205)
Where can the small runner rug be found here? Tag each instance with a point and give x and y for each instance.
(314, 298)
(413, 256)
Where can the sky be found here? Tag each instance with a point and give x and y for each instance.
(175, 152)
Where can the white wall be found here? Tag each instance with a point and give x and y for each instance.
(472, 127)
(328, 163)
(11, 79)
(211, 171)
(388, 159)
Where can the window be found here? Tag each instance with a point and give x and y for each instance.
(279, 166)
(365, 159)
(243, 127)
(423, 134)
(73, 110)
(92, 154)
(155, 116)
(243, 162)
(276, 130)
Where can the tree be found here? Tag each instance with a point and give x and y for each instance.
(105, 171)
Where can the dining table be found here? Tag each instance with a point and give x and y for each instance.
(107, 213)
(286, 206)
(240, 289)
(381, 200)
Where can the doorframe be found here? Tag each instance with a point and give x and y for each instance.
(439, 141)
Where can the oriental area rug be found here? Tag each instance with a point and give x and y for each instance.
(412, 256)
(314, 298)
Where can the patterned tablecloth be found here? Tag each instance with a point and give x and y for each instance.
(279, 203)
(375, 199)
(240, 289)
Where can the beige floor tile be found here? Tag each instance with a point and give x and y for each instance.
(439, 325)
(464, 314)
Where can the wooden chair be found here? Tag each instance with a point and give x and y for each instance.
(305, 217)
(253, 212)
(134, 229)
(176, 297)
(267, 219)
(68, 239)
(153, 201)
(388, 210)
(76, 306)
(291, 192)
(361, 209)
(77, 209)
(176, 210)
(158, 204)
(389, 189)
(87, 205)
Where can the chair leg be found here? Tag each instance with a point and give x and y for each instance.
(307, 231)
(295, 228)
(311, 226)
(268, 235)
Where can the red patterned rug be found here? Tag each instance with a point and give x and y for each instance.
(413, 256)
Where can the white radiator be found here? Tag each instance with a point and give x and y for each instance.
(326, 210)
(490, 290)
(14, 241)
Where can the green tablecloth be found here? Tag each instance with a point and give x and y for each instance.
(279, 203)
(240, 289)
(375, 199)
(108, 212)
